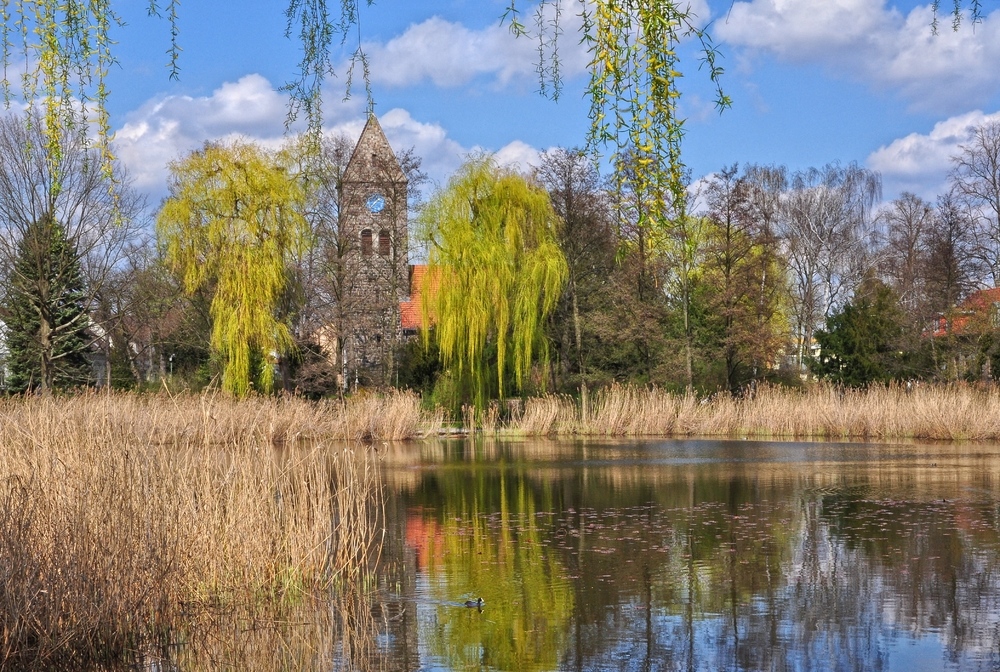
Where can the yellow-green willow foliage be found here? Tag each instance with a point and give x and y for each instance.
(63, 50)
(495, 272)
(634, 74)
(67, 50)
(230, 225)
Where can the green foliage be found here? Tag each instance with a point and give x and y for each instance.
(231, 223)
(587, 240)
(741, 284)
(419, 365)
(68, 49)
(508, 561)
(45, 312)
(860, 345)
(494, 257)
(630, 326)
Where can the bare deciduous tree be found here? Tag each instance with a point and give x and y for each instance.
(743, 277)
(98, 211)
(826, 229)
(952, 268)
(907, 224)
(587, 242)
(976, 179)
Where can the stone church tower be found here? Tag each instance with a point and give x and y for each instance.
(373, 220)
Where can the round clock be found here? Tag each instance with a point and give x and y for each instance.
(375, 203)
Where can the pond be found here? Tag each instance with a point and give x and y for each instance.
(687, 555)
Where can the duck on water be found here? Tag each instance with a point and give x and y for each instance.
(478, 602)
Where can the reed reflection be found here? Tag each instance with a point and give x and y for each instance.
(695, 556)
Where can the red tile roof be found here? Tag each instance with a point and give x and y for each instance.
(979, 303)
(409, 311)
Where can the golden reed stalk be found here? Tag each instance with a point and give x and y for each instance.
(123, 516)
(953, 412)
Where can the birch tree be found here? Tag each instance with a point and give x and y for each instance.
(907, 223)
(826, 232)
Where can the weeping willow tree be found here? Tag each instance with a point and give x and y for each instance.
(229, 226)
(495, 273)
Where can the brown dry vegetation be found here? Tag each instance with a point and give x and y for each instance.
(958, 412)
(122, 516)
(126, 517)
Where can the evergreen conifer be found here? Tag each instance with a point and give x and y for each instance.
(46, 313)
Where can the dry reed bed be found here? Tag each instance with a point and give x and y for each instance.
(218, 418)
(122, 516)
(956, 412)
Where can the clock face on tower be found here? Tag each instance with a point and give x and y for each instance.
(375, 203)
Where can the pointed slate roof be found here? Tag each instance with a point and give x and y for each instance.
(373, 159)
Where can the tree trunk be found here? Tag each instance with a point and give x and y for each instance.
(688, 356)
(584, 397)
(45, 350)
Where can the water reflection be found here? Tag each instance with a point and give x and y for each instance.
(689, 555)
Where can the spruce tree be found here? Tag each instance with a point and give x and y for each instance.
(46, 313)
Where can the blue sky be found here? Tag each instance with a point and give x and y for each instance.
(812, 81)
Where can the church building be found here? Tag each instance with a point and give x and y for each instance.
(373, 222)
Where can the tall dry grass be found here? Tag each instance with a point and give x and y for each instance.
(955, 412)
(122, 516)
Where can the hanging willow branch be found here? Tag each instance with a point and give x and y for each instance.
(56, 54)
(232, 223)
(67, 49)
(63, 49)
(634, 74)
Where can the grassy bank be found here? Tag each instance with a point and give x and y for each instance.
(958, 412)
(124, 517)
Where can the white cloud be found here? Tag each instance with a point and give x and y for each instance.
(873, 42)
(518, 155)
(441, 155)
(803, 28)
(166, 128)
(449, 54)
(700, 10)
(920, 163)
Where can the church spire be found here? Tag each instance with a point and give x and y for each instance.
(373, 159)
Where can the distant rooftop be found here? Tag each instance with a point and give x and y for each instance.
(409, 311)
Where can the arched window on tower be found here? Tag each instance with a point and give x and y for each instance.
(384, 243)
(366, 242)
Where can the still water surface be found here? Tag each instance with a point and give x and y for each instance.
(689, 555)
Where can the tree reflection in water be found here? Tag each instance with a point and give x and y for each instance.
(690, 556)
